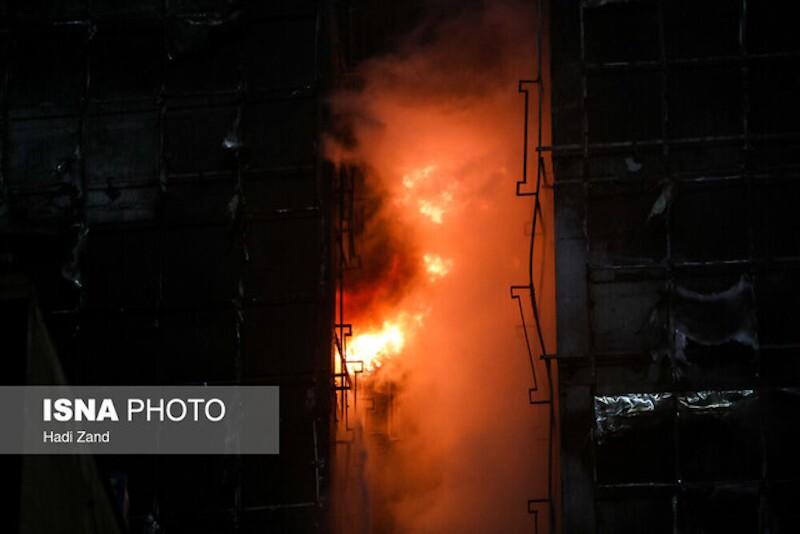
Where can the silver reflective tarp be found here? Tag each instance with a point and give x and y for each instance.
(615, 414)
(710, 401)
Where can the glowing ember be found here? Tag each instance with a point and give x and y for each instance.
(436, 266)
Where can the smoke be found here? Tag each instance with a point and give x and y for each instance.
(437, 127)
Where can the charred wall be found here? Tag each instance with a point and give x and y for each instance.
(160, 185)
(676, 181)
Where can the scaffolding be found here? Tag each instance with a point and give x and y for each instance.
(175, 153)
(539, 358)
(674, 153)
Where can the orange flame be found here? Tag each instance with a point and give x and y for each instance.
(377, 346)
(436, 131)
(413, 178)
(373, 347)
(419, 187)
(437, 266)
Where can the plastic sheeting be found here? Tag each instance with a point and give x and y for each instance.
(711, 401)
(704, 318)
(615, 414)
(717, 318)
(662, 203)
(71, 270)
(189, 35)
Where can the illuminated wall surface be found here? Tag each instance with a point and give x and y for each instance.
(677, 256)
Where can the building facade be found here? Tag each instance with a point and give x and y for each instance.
(677, 255)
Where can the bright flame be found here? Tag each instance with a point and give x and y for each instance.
(373, 348)
(422, 186)
(416, 176)
(437, 266)
(376, 346)
(435, 209)
(432, 211)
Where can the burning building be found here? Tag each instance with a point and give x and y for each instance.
(515, 265)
